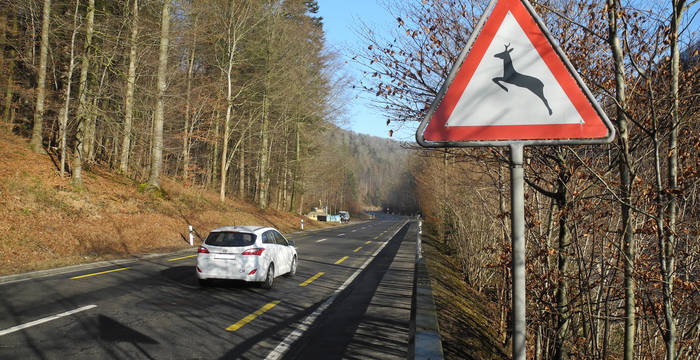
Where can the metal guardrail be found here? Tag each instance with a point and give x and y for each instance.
(425, 340)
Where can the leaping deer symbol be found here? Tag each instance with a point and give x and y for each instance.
(511, 76)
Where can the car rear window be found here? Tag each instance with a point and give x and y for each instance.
(230, 239)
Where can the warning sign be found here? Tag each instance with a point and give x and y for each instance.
(513, 84)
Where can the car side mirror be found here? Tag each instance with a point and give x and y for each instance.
(291, 242)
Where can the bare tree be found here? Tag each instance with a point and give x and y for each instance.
(157, 151)
(82, 114)
(237, 25)
(37, 134)
(130, 84)
(7, 108)
(63, 114)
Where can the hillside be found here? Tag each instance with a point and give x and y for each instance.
(47, 223)
(377, 163)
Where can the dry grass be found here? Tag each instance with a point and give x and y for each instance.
(466, 318)
(45, 222)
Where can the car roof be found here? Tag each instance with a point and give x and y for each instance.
(239, 228)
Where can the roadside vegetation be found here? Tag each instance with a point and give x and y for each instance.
(47, 222)
(468, 321)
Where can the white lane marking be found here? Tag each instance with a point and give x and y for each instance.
(46, 319)
(284, 346)
(322, 240)
(341, 235)
(353, 230)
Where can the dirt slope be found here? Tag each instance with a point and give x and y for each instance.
(45, 222)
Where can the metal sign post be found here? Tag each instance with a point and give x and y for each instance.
(517, 208)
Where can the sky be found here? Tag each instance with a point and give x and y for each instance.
(341, 21)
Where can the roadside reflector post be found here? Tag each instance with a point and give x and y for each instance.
(191, 237)
(302, 224)
(517, 206)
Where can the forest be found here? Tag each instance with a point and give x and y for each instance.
(612, 231)
(238, 97)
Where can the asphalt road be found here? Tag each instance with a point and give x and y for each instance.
(351, 298)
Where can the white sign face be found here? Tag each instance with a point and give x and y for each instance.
(512, 83)
(527, 96)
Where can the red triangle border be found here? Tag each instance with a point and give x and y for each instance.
(593, 127)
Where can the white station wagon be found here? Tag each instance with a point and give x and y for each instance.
(250, 253)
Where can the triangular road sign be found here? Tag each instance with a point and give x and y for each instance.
(512, 83)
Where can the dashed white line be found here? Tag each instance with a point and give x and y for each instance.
(322, 240)
(46, 319)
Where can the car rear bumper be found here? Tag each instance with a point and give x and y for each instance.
(211, 268)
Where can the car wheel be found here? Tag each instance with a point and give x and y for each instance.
(293, 268)
(270, 279)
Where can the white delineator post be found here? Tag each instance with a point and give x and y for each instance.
(517, 206)
(191, 237)
(302, 224)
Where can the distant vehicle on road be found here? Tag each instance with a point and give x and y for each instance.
(344, 216)
(249, 253)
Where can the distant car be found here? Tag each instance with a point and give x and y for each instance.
(344, 216)
(250, 253)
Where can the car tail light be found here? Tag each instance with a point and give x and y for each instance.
(254, 251)
(253, 272)
(198, 269)
(203, 250)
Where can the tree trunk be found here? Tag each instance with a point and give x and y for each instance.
(285, 172)
(188, 108)
(241, 172)
(297, 169)
(7, 109)
(627, 236)
(215, 150)
(78, 147)
(37, 134)
(157, 154)
(668, 244)
(130, 84)
(231, 47)
(262, 175)
(66, 104)
(3, 37)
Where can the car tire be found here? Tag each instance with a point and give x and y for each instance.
(270, 278)
(293, 267)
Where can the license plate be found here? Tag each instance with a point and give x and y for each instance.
(225, 257)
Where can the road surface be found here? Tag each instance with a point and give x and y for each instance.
(351, 298)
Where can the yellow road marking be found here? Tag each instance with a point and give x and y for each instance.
(99, 273)
(252, 316)
(184, 257)
(312, 279)
(358, 249)
(341, 260)
(368, 242)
